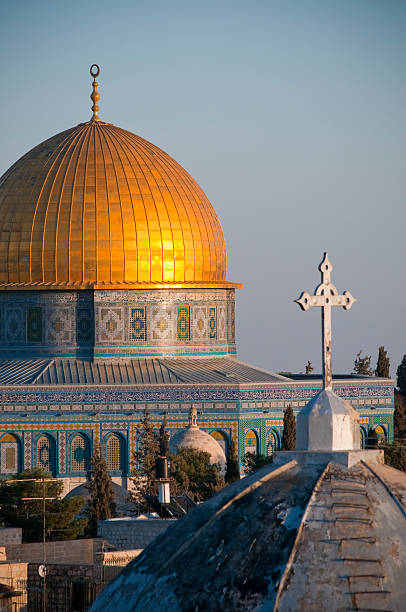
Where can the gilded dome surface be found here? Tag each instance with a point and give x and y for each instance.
(97, 206)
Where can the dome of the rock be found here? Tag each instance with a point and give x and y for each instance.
(98, 206)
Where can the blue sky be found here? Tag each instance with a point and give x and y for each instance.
(289, 114)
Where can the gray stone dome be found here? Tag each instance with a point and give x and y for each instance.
(293, 537)
(200, 440)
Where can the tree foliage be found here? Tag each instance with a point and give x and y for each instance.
(383, 363)
(101, 504)
(362, 365)
(253, 462)
(395, 455)
(61, 522)
(194, 474)
(401, 376)
(289, 430)
(232, 469)
(399, 416)
(309, 368)
(142, 483)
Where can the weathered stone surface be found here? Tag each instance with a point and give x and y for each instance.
(327, 422)
(289, 538)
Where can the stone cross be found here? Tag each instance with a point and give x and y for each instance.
(326, 296)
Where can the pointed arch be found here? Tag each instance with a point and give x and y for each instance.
(363, 436)
(381, 433)
(251, 442)
(10, 454)
(115, 452)
(79, 453)
(222, 439)
(272, 442)
(46, 453)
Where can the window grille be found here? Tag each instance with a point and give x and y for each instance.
(78, 454)
(114, 453)
(44, 453)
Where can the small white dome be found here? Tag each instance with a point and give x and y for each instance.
(200, 440)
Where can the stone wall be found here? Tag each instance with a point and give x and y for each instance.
(132, 534)
(68, 551)
(10, 535)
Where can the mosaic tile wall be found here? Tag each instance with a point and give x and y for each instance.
(159, 322)
(111, 417)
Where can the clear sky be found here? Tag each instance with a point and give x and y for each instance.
(291, 115)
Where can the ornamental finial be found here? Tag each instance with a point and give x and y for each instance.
(95, 96)
(193, 417)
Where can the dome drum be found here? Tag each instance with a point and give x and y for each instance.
(114, 323)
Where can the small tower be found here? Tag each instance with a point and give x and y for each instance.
(327, 423)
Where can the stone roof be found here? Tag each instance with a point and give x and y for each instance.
(141, 371)
(292, 537)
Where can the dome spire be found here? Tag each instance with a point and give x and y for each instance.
(95, 96)
(193, 417)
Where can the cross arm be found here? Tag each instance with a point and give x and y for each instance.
(306, 300)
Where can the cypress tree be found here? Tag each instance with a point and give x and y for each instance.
(101, 504)
(232, 470)
(289, 430)
(401, 377)
(383, 363)
(148, 449)
(399, 416)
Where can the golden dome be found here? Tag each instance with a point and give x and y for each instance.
(97, 206)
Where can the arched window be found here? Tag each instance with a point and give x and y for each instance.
(381, 433)
(222, 439)
(272, 442)
(46, 454)
(251, 442)
(80, 455)
(10, 454)
(115, 457)
(363, 437)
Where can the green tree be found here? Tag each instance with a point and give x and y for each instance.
(163, 439)
(194, 474)
(401, 376)
(395, 455)
(232, 469)
(253, 462)
(101, 504)
(309, 368)
(383, 363)
(289, 430)
(362, 365)
(144, 458)
(399, 416)
(372, 439)
(60, 514)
